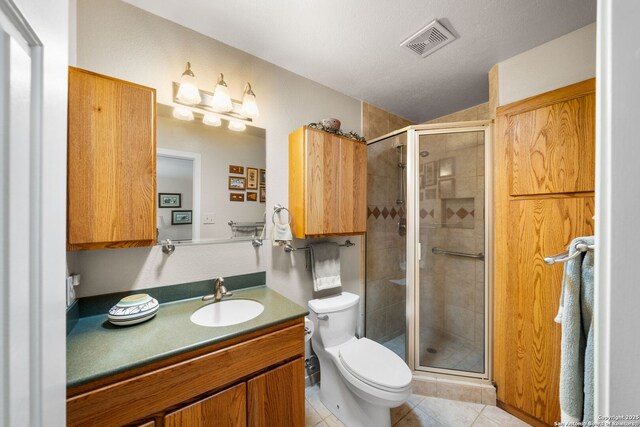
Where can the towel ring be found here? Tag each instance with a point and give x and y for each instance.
(276, 210)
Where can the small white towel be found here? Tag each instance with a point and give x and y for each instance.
(325, 265)
(281, 234)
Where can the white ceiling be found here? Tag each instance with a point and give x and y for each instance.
(353, 46)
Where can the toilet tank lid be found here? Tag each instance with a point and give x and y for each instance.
(333, 303)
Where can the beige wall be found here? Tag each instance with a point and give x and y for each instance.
(117, 39)
(478, 112)
(566, 60)
(377, 122)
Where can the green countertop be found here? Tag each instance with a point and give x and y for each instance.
(96, 348)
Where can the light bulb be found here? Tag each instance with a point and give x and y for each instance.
(188, 91)
(249, 105)
(237, 126)
(221, 99)
(211, 120)
(182, 113)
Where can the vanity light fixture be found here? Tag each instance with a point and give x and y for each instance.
(211, 120)
(188, 91)
(249, 105)
(221, 99)
(182, 113)
(213, 107)
(237, 126)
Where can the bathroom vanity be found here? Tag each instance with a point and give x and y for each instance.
(172, 372)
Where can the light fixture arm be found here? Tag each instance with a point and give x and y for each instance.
(187, 71)
(221, 81)
(247, 89)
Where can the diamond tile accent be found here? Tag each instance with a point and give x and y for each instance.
(393, 213)
(401, 212)
(462, 213)
(450, 213)
(385, 213)
(431, 213)
(473, 213)
(376, 212)
(423, 213)
(368, 212)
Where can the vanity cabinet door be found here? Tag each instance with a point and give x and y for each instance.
(111, 163)
(225, 409)
(327, 184)
(276, 398)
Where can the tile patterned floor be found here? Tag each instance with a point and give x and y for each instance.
(419, 411)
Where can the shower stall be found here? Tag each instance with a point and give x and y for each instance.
(426, 287)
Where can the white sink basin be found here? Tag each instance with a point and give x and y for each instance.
(227, 312)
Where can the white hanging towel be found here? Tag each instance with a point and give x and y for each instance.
(325, 265)
(281, 234)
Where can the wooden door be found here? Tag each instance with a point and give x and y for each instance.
(353, 186)
(225, 409)
(544, 198)
(276, 398)
(322, 183)
(111, 162)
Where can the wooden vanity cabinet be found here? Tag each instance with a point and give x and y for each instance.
(111, 180)
(255, 380)
(228, 408)
(327, 184)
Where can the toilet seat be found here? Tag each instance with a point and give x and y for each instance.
(375, 365)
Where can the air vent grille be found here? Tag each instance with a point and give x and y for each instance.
(429, 39)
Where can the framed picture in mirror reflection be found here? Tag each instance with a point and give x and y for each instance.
(237, 183)
(252, 178)
(169, 200)
(181, 217)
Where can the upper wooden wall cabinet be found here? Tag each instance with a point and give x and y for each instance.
(111, 181)
(327, 184)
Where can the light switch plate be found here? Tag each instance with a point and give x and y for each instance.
(209, 218)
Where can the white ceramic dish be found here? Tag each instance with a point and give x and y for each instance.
(133, 309)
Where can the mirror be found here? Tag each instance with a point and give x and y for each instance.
(211, 181)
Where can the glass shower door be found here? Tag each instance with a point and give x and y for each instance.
(451, 291)
(386, 263)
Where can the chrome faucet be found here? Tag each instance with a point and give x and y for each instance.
(220, 291)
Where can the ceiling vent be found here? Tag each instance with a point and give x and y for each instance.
(429, 39)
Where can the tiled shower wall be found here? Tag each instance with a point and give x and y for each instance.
(377, 122)
(385, 300)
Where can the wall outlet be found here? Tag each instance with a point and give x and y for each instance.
(209, 218)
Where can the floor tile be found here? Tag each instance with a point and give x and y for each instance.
(398, 413)
(417, 418)
(311, 417)
(502, 418)
(450, 412)
(313, 396)
(483, 421)
(333, 421)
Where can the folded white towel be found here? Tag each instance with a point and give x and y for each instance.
(282, 234)
(325, 265)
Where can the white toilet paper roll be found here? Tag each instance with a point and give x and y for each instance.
(309, 328)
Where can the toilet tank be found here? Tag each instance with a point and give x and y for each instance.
(341, 321)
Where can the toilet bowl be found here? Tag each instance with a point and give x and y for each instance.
(360, 380)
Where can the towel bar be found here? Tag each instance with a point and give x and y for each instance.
(289, 248)
(438, 251)
(564, 256)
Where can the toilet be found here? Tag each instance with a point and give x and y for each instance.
(361, 380)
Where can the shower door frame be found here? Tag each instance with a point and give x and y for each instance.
(413, 242)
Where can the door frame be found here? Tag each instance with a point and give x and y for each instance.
(414, 245)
